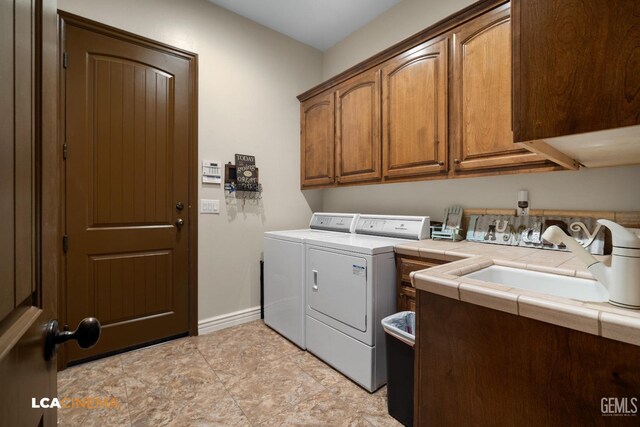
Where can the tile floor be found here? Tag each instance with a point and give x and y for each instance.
(247, 375)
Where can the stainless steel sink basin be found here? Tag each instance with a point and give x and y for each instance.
(546, 283)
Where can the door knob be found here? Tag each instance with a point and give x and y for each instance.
(86, 334)
(179, 222)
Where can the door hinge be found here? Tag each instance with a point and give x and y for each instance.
(65, 151)
(65, 243)
(65, 60)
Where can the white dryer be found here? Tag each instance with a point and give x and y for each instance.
(350, 287)
(284, 268)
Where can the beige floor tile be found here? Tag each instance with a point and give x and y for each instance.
(373, 409)
(104, 371)
(324, 409)
(242, 376)
(271, 388)
(81, 416)
(202, 404)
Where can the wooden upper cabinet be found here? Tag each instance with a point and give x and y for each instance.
(358, 129)
(414, 111)
(576, 66)
(481, 103)
(317, 143)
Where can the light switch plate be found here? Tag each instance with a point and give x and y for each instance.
(209, 206)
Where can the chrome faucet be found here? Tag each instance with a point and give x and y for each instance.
(622, 279)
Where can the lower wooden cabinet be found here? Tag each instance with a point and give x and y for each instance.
(475, 366)
(405, 264)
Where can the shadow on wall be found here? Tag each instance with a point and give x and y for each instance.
(244, 207)
(314, 199)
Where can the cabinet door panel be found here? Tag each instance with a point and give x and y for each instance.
(317, 141)
(414, 97)
(482, 135)
(357, 132)
(576, 67)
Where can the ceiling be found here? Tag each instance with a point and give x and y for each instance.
(317, 23)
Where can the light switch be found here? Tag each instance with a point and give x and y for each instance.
(209, 206)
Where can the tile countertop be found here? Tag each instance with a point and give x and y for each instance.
(464, 257)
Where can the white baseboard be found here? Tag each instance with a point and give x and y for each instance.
(212, 324)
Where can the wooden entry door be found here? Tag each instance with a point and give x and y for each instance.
(129, 139)
(29, 208)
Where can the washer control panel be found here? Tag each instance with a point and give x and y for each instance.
(404, 227)
(333, 222)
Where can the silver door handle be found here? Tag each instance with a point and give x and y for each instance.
(315, 281)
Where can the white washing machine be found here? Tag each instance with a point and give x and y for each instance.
(284, 268)
(350, 287)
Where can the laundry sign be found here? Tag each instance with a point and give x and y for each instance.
(526, 231)
(246, 172)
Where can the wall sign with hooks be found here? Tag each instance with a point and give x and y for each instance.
(241, 179)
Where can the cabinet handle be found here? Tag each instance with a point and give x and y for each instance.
(315, 281)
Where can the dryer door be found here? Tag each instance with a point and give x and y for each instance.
(337, 286)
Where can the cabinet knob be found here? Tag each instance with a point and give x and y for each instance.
(456, 161)
(441, 163)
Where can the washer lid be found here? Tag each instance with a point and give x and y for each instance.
(358, 243)
(299, 236)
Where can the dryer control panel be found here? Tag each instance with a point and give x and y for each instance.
(334, 222)
(403, 227)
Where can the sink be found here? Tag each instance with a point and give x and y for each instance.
(546, 283)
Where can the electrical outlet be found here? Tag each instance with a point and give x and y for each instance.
(209, 206)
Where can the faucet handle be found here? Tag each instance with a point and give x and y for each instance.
(620, 236)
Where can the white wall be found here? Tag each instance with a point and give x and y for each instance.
(588, 189)
(593, 189)
(249, 77)
(401, 21)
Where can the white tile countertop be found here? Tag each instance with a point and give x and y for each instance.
(464, 257)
